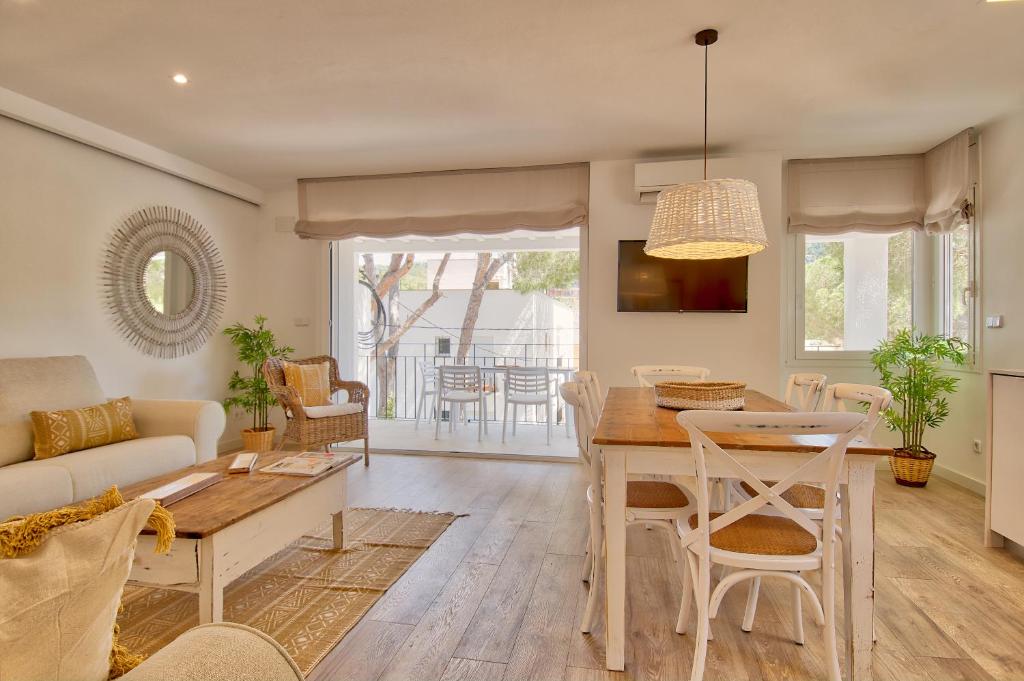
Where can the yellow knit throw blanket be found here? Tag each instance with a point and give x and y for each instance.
(23, 534)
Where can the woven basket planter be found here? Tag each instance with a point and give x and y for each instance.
(714, 395)
(258, 440)
(911, 470)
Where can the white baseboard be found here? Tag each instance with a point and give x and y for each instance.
(957, 478)
(229, 445)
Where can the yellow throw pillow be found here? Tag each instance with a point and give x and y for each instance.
(70, 430)
(311, 381)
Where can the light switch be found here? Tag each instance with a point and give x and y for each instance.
(994, 322)
(302, 321)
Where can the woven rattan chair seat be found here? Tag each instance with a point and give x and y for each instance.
(762, 535)
(654, 494)
(799, 495)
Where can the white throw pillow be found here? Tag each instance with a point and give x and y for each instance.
(59, 602)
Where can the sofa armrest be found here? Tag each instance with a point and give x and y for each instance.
(218, 652)
(201, 420)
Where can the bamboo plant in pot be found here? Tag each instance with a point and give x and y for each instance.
(254, 345)
(910, 365)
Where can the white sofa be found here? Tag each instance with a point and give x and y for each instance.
(173, 434)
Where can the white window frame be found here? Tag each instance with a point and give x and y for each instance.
(943, 300)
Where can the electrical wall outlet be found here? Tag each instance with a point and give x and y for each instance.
(977, 446)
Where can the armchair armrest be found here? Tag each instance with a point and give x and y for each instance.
(357, 392)
(218, 652)
(201, 420)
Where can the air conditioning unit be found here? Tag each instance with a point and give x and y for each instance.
(650, 178)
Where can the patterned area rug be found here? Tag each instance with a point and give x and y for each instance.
(307, 597)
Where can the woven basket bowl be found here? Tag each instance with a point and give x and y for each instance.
(714, 395)
(911, 471)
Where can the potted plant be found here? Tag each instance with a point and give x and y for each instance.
(910, 365)
(254, 345)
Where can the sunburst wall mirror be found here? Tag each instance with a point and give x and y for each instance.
(164, 282)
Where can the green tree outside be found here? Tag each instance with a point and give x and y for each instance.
(544, 270)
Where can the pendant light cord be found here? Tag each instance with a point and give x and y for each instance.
(705, 113)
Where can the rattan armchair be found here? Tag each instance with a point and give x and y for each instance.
(324, 431)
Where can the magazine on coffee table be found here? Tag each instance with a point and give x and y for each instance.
(307, 463)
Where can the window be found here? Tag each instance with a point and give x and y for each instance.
(857, 289)
(956, 271)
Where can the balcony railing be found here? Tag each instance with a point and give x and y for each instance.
(401, 377)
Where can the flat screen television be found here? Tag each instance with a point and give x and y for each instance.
(649, 284)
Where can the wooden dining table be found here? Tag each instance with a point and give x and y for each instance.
(636, 437)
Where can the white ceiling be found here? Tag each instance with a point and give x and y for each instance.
(302, 88)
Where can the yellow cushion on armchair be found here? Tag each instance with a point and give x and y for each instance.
(311, 381)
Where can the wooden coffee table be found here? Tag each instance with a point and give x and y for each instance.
(234, 525)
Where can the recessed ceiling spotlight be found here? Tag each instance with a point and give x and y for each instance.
(180, 78)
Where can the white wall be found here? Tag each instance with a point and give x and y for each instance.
(1002, 239)
(733, 346)
(59, 202)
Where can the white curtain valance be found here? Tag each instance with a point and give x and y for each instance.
(947, 173)
(440, 203)
(882, 194)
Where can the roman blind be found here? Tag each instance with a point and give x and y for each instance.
(440, 203)
(881, 194)
(947, 171)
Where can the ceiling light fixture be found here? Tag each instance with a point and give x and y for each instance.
(709, 219)
(180, 78)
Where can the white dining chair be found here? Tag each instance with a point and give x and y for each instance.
(810, 499)
(870, 398)
(647, 375)
(461, 386)
(657, 504)
(592, 387)
(804, 391)
(756, 545)
(525, 386)
(427, 391)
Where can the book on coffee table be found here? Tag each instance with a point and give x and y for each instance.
(182, 487)
(243, 462)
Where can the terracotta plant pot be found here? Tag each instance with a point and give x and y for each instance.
(258, 439)
(911, 469)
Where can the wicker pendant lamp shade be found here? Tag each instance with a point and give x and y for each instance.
(708, 219)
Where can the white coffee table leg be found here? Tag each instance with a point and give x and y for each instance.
(339, 529)
(211, 589)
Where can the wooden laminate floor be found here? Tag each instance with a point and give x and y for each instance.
(499, 595)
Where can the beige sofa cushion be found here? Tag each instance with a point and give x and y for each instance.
(94, 470)
(60, 600)
(40, 383)
(32, 487)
